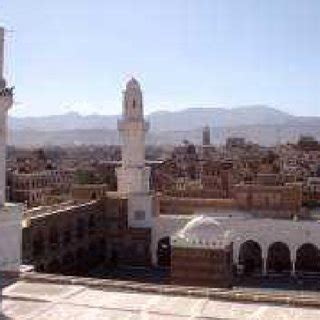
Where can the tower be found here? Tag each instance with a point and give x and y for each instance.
(206, 136)
(6, 100)
(10, 214)
(133, 176)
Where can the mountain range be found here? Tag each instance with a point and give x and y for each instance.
(258, 123)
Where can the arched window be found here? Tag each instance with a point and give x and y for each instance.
(80, 228)
(53, 235)
(67, 235)
(164, 252)
(278, 258)
(91, 222)
(250, 257)
(308, 258)
(38, 244)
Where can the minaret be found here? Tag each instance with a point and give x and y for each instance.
(133, 176)
(10, 214)
(206, 136)
(6, 99)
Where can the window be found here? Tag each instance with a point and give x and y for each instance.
(139, 215)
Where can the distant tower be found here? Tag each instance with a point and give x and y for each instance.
(133, 176)
(206, 136)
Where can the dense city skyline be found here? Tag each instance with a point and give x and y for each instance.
(76, 55)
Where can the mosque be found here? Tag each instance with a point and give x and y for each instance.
(214, 246)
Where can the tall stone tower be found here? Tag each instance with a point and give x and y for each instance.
(133, 176)
(206, 136)
(10, 214)
(6, 101)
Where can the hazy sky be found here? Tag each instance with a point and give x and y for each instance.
(77, 54)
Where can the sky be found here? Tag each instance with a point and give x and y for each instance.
(76, 55)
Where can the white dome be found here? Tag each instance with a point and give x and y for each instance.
(202, 229)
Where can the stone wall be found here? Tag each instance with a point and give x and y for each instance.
(175, 205)
(201, 266)
(76, 239)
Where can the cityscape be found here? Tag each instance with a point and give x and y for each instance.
(208, 221)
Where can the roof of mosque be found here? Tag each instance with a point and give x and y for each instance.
(202, 231)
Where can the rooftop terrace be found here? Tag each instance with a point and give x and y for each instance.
(79, 298)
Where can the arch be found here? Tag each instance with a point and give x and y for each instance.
(80, 255)
(38, 244)
(278, 258)
(80, 228)
(164, 252)
(102, 248)
(308, 258)
(91, 222)
(250, 257)
(68, 259)
(94, 257)
(53, 235)
(93, 195)
(114, 259)
(68, 263)
(67, 235)
(81, 261)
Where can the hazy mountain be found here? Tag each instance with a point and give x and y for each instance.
(258, 123)
(68, 121)
(216, 117)
(187, 119)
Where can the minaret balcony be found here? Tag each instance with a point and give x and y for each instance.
(6, 98)
(6, 92)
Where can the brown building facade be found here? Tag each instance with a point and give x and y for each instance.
(203, 266)
(283, 200)
(77, 238)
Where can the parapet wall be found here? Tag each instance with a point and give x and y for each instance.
(175, 205)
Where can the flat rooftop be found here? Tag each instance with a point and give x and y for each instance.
(41, 300)
(54, 209)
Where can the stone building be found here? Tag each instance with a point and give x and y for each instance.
(279, 201)
(87, 192)
(311, 191)
(75, 237)
(308, 143)
(39, 187)
(206, 136)
(235, 142)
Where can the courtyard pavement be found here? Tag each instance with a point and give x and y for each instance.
(33, 300)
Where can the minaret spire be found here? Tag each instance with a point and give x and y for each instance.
(2, 80)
